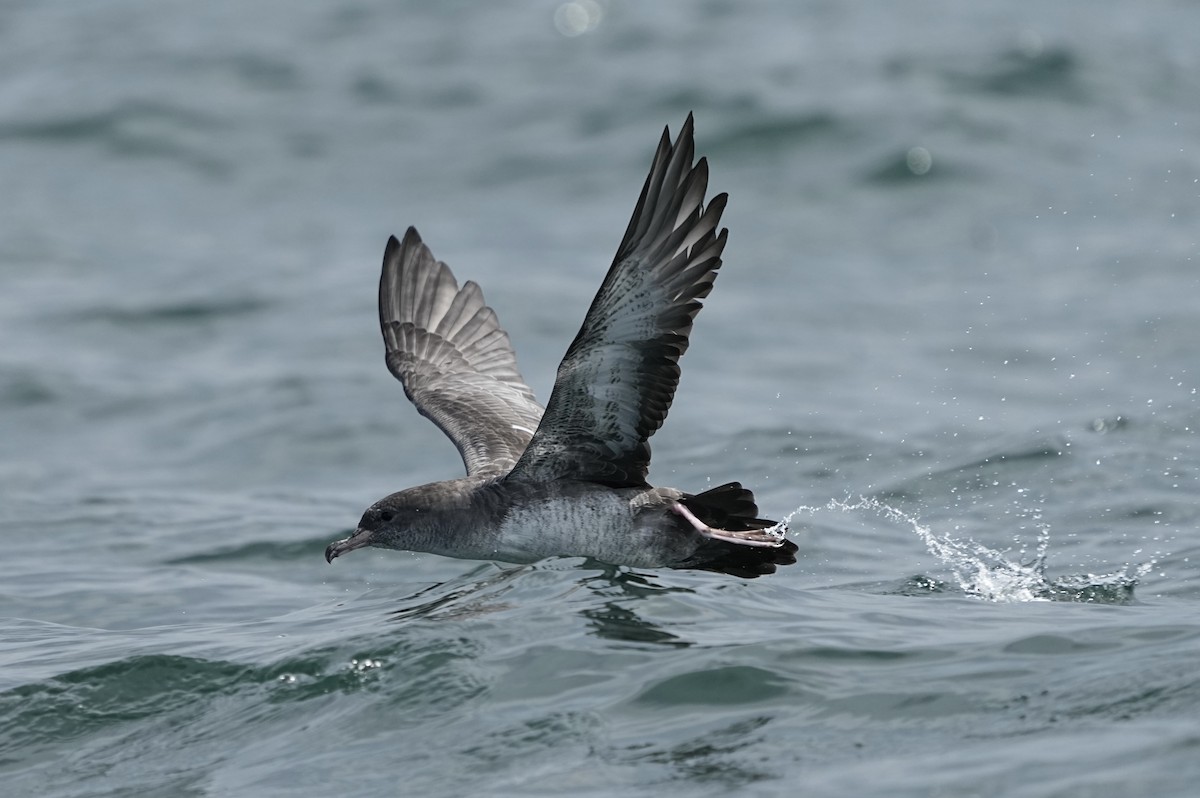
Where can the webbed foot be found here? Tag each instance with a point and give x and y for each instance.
(772, 537)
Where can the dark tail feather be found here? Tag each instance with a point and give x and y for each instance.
(732, 507)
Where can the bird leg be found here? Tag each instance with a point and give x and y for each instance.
(772, 537)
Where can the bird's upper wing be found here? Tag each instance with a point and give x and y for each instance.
(455, 361)
(618, 378)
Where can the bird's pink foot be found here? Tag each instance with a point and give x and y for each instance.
(772, 537)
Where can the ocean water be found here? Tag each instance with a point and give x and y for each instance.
(954, 341)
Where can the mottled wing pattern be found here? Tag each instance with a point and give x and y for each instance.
(617, 380)
(456, 363)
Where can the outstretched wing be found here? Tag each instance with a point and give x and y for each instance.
(455, 361)
(617, 380)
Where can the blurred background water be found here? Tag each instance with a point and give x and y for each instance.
(954, 339)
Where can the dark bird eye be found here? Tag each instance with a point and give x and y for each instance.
(386, 516)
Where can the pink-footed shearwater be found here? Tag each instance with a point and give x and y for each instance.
(569, 480)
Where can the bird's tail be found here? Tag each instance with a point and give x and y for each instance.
(732, 507)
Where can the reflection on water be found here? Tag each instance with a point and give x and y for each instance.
(465, 596)
(481, 592)
(614, 619)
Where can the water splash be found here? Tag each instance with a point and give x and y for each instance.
(996, 575)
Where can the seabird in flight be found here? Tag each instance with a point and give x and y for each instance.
(569, 479)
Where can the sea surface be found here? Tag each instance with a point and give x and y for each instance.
(955, 341)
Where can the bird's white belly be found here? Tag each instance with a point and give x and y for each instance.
(600, 525)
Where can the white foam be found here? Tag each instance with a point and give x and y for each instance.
(986, 573)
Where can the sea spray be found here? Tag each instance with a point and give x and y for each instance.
(994, 575)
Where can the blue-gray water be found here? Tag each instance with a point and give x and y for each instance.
(955, 335)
